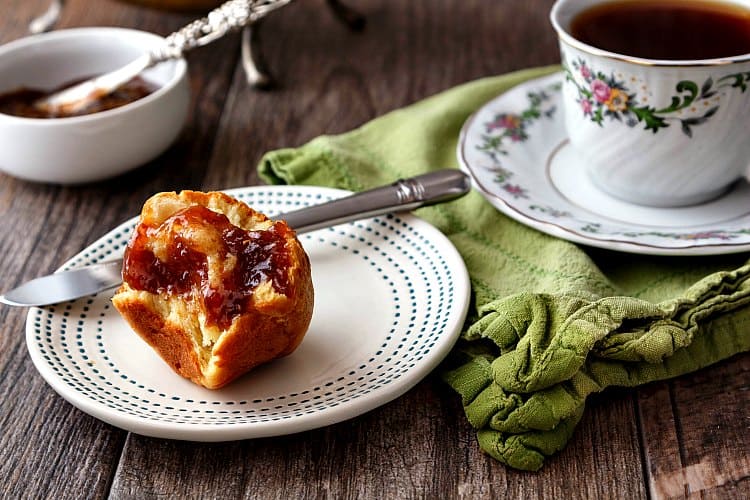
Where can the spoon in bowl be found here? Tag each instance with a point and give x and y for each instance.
(227, 17)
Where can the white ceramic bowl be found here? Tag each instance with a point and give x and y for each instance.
(92, 147)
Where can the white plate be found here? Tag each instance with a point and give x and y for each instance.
(391, 295)
(517, 152)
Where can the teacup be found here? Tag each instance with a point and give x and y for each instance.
(654, 131)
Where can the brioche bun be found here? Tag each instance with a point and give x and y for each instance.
(213, 286)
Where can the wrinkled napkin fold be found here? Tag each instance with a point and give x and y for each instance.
(551, 322)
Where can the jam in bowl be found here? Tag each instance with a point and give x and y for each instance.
(103, 143)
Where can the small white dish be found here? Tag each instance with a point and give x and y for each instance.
(516, 150)
(391, 296)
(92, 147)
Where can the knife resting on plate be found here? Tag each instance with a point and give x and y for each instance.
(405, 194)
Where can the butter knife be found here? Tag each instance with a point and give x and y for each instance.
(403, 195)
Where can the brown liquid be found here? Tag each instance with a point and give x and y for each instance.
(260, 256)
(21, 102)
(666, 29)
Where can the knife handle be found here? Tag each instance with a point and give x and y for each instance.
(402, 195)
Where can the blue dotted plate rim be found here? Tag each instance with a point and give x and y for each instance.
(66, 341)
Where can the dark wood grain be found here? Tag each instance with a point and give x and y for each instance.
(679, 438)
(695, 432)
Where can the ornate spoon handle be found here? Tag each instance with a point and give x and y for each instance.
(229, 16)
(225, 18)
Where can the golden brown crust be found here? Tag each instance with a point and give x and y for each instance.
(272, 325)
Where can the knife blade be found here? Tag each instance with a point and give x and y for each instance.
(405, 194)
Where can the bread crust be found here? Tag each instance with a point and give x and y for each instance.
(271, 325)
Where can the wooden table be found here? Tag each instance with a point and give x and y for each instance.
(688, 436)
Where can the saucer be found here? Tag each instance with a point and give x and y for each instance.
(519, 157)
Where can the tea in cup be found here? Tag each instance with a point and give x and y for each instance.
(656, 95)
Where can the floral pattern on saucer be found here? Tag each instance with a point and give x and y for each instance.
(601, 96)
(516, 150)
(507, 127)
(707, 235)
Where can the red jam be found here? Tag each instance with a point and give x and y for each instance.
(260, 256)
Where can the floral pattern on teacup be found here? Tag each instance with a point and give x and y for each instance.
(506, 133)
(601, 96)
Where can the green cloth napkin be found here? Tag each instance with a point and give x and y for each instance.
(551, 322)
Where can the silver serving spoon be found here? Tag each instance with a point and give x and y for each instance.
(229, 16)
(406, 194)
